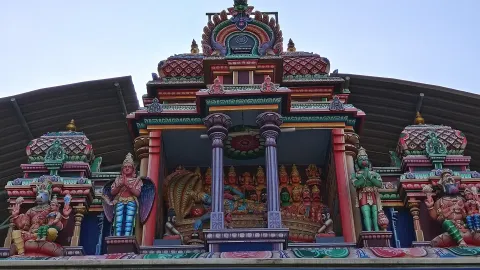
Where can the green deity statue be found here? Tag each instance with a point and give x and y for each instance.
(367, 182)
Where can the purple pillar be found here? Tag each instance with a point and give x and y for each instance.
(269, 123)
(217, 125)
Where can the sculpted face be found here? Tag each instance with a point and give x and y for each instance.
(127, 169)
(232, 179)
(283, 179)
(297, 196)
(295, 179)
(42, 198)
(449, 185)
(261, 179)
(285, 196)
(208, 179)
(362, 162)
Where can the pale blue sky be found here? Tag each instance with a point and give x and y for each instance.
(54, 42)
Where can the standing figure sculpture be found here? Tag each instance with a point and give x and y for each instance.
(36, 223)
(125, 195)
(449, 209)
(367, 182)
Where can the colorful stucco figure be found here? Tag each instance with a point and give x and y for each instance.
(127, 196)
(450, 209)
(41, 222)
(367, 182)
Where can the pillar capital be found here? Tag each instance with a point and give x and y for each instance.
(217, 125)
(351, 143)
(269, 121)
(140, 146)
(217, 122)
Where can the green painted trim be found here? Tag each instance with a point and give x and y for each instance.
(173, 121)
(242, 101)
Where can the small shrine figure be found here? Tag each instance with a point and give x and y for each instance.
(307, 202)
(217, 87)
(313, 175)
(232, 179)
(125, 195)
(283, 176)
(449, 209)
(170, 231)
(55, 220)
(260, 181)
(295, 176)
(207, 187)
(247, 185)
(367, 182)
(297, 201)
(472, 206)
(35, 223)
(285, 198)
(268, 85)
(326, 221)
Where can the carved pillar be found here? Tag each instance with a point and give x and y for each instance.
(346, 213)
(140, 145)
(153, 172)
(79, 214)
(98, 248)
(351, 150)
(415, 211)
(269, 123)
(217, 125)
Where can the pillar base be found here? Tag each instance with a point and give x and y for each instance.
(5, 252)
(252, 239)
(274, 220)
(421, 244)
(122, 244)
(374, 239)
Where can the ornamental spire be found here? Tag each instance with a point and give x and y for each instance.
(71, 126)
(291, 46)
(194, 47)
(419, 119)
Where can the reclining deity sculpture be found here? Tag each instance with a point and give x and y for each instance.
(367, 182)
(125, 196)
(451, 210)
(41, 222)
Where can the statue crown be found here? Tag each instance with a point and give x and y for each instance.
(362, 153)
(45, 187)
(129, 160)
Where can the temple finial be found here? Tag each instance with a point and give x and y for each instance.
(291, 46)
(71, 126)
(194, 47)
(419, 119)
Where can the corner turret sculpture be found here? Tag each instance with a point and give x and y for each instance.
(125, 196)
(367, 182)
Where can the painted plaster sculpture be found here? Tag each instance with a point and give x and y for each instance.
(126, 196)
(450, 209)
(41, 222)
(367, 182)
(472, 206)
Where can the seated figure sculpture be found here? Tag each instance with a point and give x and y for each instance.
(449, 209)
(35, 224)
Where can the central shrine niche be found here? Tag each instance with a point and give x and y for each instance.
(304, 212)
(241, 43)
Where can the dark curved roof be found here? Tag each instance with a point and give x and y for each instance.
(96, 106)
(390, 105)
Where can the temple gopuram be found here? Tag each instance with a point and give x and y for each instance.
(247, 154)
